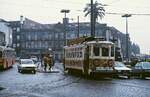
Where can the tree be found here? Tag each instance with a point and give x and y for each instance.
(98, 12)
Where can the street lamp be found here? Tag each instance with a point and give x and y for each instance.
(127, 35)
(65, 11)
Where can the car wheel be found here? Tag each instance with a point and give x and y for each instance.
(20, 71)
(34, 71)
(129, 76)
(115, 76)
(142, 76)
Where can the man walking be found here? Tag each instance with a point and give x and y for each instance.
(45, 59)
(50, 61)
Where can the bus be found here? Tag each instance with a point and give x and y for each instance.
(89, 55)
(7, 57)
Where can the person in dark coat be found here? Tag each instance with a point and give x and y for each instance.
(45, 60)
(50, 61)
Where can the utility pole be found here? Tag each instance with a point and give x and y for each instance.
(65, 11)
(92, 20)
(19, 34)
(127, 36)
(78, 35)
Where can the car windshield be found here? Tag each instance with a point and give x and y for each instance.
(119, 64)
(26, 62)
(146, 65)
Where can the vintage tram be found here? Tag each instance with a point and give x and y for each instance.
(7, 57)
(89, 55)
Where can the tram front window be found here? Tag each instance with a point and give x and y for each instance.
(105, 51)
(96, 51)
(0, 54)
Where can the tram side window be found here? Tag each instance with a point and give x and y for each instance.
(0, 54)
(105, 51)
(96, 51)
(80, 54)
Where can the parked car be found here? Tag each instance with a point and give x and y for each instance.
(142, 69)
(121, 69)
(26, 65)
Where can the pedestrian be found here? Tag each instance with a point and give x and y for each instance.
(45, 61)
(50, 61)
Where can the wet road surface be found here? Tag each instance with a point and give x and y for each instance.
(58, 84)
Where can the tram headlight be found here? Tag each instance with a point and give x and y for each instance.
(96, 63)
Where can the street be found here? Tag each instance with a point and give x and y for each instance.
(58, 84)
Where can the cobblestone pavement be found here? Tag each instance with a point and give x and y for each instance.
(58, 84)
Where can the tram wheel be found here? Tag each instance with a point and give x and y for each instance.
(69, 71)
(85, 72)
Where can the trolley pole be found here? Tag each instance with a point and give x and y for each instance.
(78, 28)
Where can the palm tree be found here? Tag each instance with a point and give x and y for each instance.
(98, 12)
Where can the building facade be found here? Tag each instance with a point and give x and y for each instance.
(16, 30)
(33, 38)
(2, 39)
(5, 33)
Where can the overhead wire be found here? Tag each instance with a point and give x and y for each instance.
(127, 13)
(43, 6)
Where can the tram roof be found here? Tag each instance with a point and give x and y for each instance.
(75, 46)
(100, 42)
(88, 43)
(87, 40)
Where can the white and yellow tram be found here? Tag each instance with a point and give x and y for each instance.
(90, 57)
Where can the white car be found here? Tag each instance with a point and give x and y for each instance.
(26, 65)
(122, 70)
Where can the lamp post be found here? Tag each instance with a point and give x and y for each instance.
(127, 36)
(65, 11)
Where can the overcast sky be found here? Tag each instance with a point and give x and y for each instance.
(48, 11)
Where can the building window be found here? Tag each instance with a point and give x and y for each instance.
(45, 34)
(56, 35)
(14, 45)
(36, 36)
(38, 44)
(23, 45)
(18, 44)
(27, 46)
(28, 36)
(32, 36)
(50, 36)
(18, 29)
(35, 45)
(14, 29)
(61, 36)
(32, 45)
(18, 37)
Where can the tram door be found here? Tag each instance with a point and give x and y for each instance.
(86, 63)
